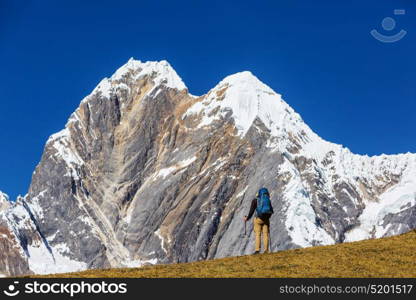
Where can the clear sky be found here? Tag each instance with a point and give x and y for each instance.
(349, 87)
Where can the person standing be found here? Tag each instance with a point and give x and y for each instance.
(263, 208)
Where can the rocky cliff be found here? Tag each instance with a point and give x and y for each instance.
(145, 172)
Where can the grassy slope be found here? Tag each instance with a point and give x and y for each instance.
(387, 257)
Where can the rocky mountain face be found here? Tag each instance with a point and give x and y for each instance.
(145, 172)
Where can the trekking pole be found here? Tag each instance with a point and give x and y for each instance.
(270, 241)
(245, 228)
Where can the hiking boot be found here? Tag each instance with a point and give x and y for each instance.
(256, 252)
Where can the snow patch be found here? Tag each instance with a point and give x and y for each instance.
(300, 220)
(105, 88)
(42, 262)
(61, 143)
(137, 263)
(395, 200)
(166, 171)
(162, 240)
(4, 202)
(178, 166)
(240, 194)
(35, 206)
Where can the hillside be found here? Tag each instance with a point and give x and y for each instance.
(386, 257)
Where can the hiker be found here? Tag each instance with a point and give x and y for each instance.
(263, 207)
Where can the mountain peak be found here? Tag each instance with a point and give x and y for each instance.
(161, 73)
(239, 76)
(3, 197)
(247, 81)
(161, 70)
(4, 201)
(248, 98)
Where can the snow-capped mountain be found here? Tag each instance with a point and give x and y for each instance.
(145, 172)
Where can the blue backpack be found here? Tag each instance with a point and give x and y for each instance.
(264, 206)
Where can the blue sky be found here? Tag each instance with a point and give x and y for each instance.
(350, 88)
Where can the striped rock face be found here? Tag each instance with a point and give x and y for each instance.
(145, 172)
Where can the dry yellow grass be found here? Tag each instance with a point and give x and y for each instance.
(387, 257)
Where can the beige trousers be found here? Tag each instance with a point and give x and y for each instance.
(262, 226)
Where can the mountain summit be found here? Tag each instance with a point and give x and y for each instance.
(247, 98)
(144, 172)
